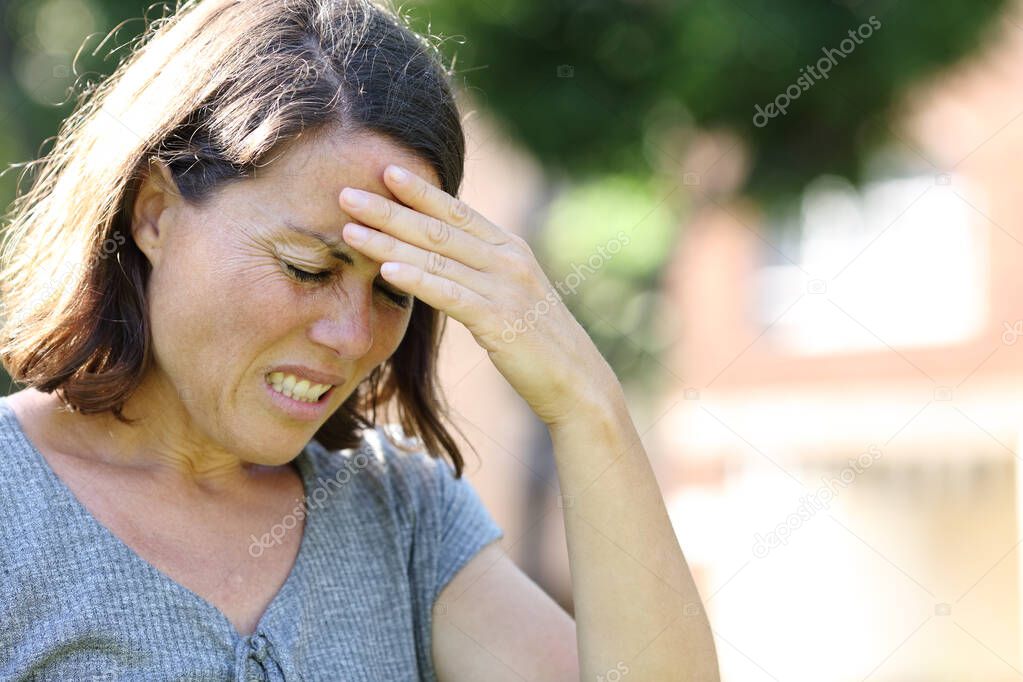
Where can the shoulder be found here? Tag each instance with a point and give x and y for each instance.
(407, 482)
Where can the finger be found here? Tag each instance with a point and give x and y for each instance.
(383, 247)
(413, 227)
(427, 198)
(438, 292)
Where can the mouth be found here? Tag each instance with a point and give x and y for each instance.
(296, 388)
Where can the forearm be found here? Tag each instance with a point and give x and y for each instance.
(636, 605)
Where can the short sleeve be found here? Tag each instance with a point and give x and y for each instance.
(465, 525)
(441, 519)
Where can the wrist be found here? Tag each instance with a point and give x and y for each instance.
(596, 406)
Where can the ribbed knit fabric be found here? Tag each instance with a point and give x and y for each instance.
(384, 532)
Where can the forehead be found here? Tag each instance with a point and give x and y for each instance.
(315, 167)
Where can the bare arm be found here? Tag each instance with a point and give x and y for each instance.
(638, 612)
(491, 622)
(635, 600)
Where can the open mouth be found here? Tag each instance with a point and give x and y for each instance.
(301, 390)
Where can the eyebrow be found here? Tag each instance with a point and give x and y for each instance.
(334, 246)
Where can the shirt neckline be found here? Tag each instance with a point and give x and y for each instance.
(267, 619)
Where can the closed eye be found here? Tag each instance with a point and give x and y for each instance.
(401, 300)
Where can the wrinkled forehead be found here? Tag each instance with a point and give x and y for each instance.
(327, 162)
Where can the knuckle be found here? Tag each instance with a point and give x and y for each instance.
(459, 211)
(520, 265)
(450, 291)
(517, 248)
(517, 244)
(437, 232)
(435, 263)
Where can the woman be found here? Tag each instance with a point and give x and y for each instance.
(190, 301)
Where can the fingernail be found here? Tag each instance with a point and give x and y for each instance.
(353, 197)
(356, 234)
(397, 174)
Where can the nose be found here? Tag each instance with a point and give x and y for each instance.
(345, 321)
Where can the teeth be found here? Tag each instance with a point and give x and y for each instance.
(298, 389)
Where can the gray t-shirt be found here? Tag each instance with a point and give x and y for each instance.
(384, 532)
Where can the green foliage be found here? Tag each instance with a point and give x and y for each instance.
(623, 61)
(49, 54)
(583, 83)
(603, 245)
(614, 209)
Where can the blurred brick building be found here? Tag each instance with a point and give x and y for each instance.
(843, 459)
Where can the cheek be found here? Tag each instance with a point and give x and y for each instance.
(209, 311)
(392, 325)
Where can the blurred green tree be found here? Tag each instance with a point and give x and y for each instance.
(583, 83)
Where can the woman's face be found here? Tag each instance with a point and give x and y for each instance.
(228, 311)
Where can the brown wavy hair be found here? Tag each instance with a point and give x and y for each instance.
(212, 91)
